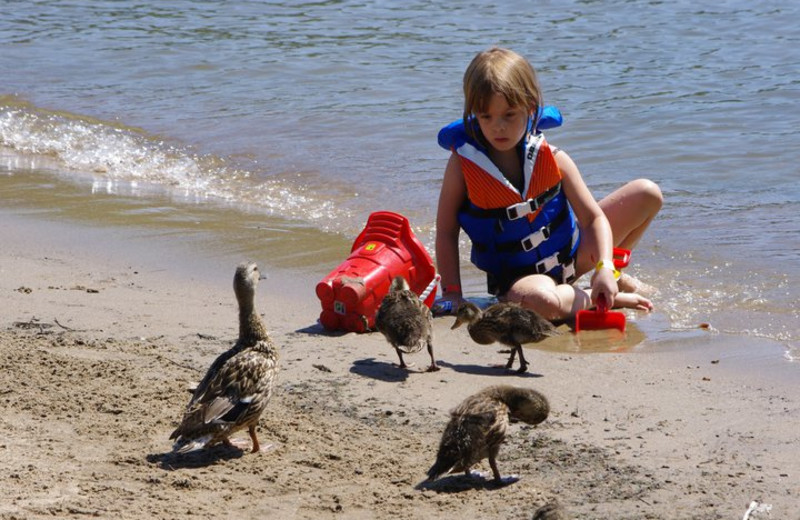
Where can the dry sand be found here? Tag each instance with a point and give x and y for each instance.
(101, 334)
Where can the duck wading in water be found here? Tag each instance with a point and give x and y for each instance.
(238, 385)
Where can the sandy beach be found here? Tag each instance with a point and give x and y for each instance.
(102, 332)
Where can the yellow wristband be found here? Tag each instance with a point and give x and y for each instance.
(608, 264)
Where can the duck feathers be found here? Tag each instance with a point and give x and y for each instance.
(233, 399)
(478, 426)
(510, 324)
(405, 321)
(238, 385)
(506, 323)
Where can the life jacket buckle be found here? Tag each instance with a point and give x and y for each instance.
(568, 272)
(547, 264)
(533, 240)
(518, 210)
(521, 209)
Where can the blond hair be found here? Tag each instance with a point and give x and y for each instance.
(499, 71)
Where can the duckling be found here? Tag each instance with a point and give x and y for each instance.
(552, 510)
(479, 424)
(405, 321)
(239, 383)
(507, 323)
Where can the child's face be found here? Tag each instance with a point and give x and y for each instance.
(503, 126)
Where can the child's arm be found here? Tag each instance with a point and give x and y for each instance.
(451, 197)
(597, 243)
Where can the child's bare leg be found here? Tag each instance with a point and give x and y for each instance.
(550, 300)
(630, 210)
(629, 284)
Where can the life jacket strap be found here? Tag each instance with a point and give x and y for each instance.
(562, 258)
(568, 272)
(544, 266)
(533, 240)
(518, 210)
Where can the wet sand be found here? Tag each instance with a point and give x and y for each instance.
(103, 329)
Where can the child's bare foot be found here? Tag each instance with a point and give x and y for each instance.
(629, 284)
(630, 300)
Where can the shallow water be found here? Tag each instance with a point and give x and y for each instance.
(279, 127)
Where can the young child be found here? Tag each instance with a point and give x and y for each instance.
(535, 227)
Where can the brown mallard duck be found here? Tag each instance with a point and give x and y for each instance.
(406, 322)
(507, 323)
(552, 510)
(479, 424)
(238, 385)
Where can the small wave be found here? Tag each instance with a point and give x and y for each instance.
(726, 297)
(116, 158)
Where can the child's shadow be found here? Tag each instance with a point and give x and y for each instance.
(195, 459)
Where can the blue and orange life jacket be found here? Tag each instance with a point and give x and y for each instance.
(514, 235)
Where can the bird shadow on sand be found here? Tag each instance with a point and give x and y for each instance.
(459, 483)
(485, 370)
(381, 370)
(195, 459)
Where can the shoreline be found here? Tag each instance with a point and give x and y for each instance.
(696, 428)
(211, 233)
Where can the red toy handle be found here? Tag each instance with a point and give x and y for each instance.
(602, 306)
(621, 257)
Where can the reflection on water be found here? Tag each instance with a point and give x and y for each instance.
(587, 341)
(593, 341)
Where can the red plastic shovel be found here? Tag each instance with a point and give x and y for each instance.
(602, 318)
(599, 319)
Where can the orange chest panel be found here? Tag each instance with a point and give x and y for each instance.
(491, 190)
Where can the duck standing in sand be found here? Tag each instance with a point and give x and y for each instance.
(238, 385)
(507, 323)
(478, 427)
(406, 322)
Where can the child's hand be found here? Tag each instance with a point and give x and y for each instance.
(603, 282)
(447, 304)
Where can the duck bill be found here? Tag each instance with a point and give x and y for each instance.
(457, 323)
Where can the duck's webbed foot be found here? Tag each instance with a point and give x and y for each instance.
(434, 367)
(498, 480)
(523, 364)
(510, 362)
(256, 446)
(403, 364)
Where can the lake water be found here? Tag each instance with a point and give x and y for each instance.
(280, 126)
